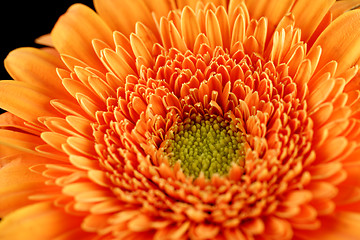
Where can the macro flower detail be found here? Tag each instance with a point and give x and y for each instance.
(208, 145)
(185, 120)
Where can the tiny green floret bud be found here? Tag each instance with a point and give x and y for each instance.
(206, 144)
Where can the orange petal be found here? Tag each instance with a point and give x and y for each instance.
(146, 35)
(223, 20)
(89, 105)
(352, 175)
(273, 10)
(45, 40)
(8, 119)
(190, 28)
(121, 15)
(140, 50)
(238, 30)
(19, 140)
(175, 38)
(18, 182)
(28, 221)
(254, 226)
(340, 42)
(308, 18)
(331, 149)
(204, 231)
(342, 6)
(159, 7)
(54, 139)
(12, 122)
(325, 170)
(84, 162)
(67, 107)
(25, 101)
(94, 222)
(100, 178)
(117, 64)
(278, 228)
(341, 225)
(80, 124)
(165, 33)
(108, 206)
(322, 190)
(297, 197)
(58, 125)
(172, 232)
(320, 93)
(183, 3)
(140, 223)
(70, 38)
(82, 145)
(36, 67)
(213, 30)
(74, 87)
(77, 234)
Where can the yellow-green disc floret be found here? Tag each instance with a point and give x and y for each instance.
(206, 144)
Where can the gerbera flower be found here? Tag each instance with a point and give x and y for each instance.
(185, 120)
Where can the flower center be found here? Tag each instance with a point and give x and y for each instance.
(206, 144)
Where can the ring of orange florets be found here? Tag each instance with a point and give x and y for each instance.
(258, 102)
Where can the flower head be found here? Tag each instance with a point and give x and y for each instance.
(185, 120)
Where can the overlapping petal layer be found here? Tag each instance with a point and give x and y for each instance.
(91, 123)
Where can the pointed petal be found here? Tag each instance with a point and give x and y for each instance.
(213, 31)
(175, 38)
(80, 124)
(82, 145)
(189, 27)
(140, 50)
(45, 40)
(117, 64)
(54, 139)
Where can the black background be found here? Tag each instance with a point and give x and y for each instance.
(21, 22)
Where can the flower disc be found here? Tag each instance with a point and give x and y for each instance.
(205, 144)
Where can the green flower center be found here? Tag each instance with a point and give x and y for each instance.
(206, 144)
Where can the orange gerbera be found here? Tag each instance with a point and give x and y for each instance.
(175, 119)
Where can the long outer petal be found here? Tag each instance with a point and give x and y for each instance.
(340, 42)
(122, 15)
(342, 6)
(25, 101)
(308, 18)
(36, 67)
(30, 219)
(74, 32)
(18, 182)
